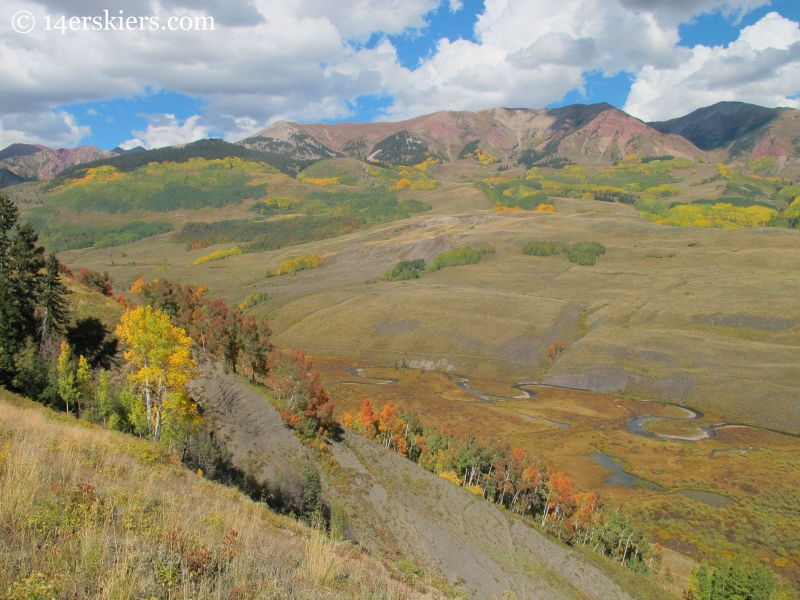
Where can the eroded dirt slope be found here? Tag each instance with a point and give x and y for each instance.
(400, 511)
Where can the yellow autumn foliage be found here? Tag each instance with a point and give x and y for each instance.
(575, 171)
(663, 190)
(423, 166)
(400, 185)
(451, 476)
(218, 255)
(793, 211)
(424, 184)
(98, 175)
(282, 202)
(724, 216)
(300, 263)
(542, 208)
(321, 181)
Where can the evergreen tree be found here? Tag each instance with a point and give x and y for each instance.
(52, 301)
(28, 263)
(21, 262)
(9, 317)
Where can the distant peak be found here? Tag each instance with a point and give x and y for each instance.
(119, 150)
(15, 150)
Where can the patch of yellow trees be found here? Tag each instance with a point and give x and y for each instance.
(161, 365)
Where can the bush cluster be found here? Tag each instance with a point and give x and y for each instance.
(583, 253)
(404, 270)
(459, 256)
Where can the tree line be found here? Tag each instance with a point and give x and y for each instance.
(33, 306)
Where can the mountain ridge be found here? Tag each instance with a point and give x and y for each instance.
(503, 133)
(591, 134)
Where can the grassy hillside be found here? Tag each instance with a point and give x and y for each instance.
(164, 187)
(88, 513)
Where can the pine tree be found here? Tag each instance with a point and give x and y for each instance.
(28, 263)
(9, 320)
(53, 303)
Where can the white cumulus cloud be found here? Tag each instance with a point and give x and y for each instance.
(166, 130)
(305, 60)
(57, 129)
(762, 67)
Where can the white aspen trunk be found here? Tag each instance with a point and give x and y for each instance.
(546, 507)
(159, 408)
(44, 323)
(148, 400)
(626, 550)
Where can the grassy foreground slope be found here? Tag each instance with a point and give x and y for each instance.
(88, 513)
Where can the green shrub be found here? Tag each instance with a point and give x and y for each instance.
(583, 253)
(414, 206)
(544, 248)
(458, 257)
(652, 205)
(404, 270)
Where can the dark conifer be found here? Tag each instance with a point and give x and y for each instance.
(21, 263)
(53, 302)
(9, 318)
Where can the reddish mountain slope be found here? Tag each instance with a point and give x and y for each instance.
(46, 163)
(583, 133)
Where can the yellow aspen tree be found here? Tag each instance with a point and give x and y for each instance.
(162, 363)
(83, 383)
(66, 375)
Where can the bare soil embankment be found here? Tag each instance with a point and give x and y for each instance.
(400, 511)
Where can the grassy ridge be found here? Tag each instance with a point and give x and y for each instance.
(164, 187)
(205, 149)
(71, 237)
(89, 513)
(372, 207)
(265, 235)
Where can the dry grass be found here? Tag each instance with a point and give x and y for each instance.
(88, 513)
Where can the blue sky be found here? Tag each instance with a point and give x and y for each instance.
(112, 122)
(119, 119)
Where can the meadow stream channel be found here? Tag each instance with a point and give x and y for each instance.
(618, 476)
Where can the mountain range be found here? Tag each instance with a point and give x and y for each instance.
(596, 134)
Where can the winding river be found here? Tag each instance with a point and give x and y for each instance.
(635, 426)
